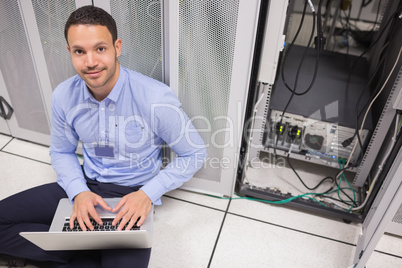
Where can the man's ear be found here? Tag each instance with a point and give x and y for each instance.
(117, 46)
(68, 48)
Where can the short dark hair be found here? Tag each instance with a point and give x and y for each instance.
(91, 15)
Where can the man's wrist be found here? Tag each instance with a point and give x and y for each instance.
(140, 191)
(79, 194)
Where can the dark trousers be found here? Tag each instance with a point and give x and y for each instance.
(32, 210)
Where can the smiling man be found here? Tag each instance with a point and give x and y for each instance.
(122, 119)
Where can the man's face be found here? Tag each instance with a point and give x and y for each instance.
(94, 57)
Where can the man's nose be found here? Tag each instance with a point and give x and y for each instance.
(91, 60)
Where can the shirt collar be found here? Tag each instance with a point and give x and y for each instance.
(114, 94)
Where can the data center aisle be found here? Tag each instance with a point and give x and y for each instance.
(195, 230)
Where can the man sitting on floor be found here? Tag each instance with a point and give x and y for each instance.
(122, 119)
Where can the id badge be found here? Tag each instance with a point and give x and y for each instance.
(104, 150)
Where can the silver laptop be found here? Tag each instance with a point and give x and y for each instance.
(107, 238)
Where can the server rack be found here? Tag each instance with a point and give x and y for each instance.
(318, 146)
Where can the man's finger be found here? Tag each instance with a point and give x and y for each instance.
(119, 216)
(92, 212)
(141, 220)
(81, 223)
(126, 218)
(72, 219)
(133, 221)
(86, 222)
(103, 204)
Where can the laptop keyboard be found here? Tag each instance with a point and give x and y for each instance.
(107, 226)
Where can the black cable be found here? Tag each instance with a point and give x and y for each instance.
(319, 27)
(364, 4)
(347, 43)
(293, 91)
(347, 30)
(313, 188)
(319, 46)
(291, 46)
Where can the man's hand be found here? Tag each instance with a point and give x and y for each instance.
(133, 206)
(84, 206)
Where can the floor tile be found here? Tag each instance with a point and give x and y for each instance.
(4, 139)
(199, 198)
(29, 150)
(184, 234)
(390, 244)
(247, 243)
(18, 174)
(291, 218)
(380, 260)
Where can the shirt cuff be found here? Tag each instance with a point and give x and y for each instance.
(154, 190)
(75, 187)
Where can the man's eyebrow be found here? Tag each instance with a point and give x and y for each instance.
(76, 47)
(101, 43)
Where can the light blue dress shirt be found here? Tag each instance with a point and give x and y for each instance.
(133, 121)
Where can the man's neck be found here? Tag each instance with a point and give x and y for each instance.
(99, 97)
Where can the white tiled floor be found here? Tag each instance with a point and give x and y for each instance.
(195, 230)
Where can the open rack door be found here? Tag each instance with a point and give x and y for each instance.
(210, 48)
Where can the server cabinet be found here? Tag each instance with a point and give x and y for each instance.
(304, 103)
(211, 48)
(5, 111)
(25, 81)
(203, 50)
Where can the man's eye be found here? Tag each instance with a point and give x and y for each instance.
(101, 49)
(78, 52)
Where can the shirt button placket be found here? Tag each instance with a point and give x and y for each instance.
(102, 124)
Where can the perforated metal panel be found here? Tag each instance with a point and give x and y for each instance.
(398, 216)
(139, 27)
(206, 51)
(18, 70)
(51, 17)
